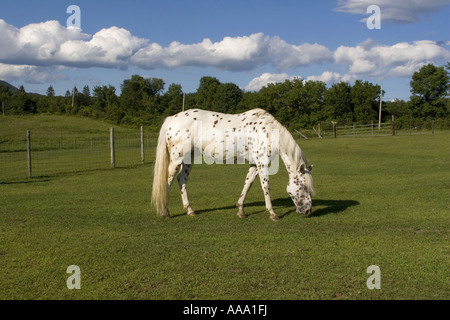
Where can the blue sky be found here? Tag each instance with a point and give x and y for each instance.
(250, 43)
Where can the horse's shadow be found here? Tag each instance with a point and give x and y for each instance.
(325, 207)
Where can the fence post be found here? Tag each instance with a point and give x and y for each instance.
(432, 126)
(142, 145)
(111, 143)
(334, 128)
(29, 153)
(393, 125)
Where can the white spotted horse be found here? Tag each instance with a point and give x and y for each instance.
(254, 137)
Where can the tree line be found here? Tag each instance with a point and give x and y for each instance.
(295, 103)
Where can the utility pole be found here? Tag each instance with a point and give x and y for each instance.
(184, 98)
(381, 101)
(73, 96)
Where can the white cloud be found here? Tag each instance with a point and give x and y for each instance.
(235, 54)
(36, 43)
(239, 53)
(112, 47)
(401, 58)
(31, 74)
(266, 78)
(332, 77)
(291, 56)
(35, 47)
(399, 11)
(49, 43)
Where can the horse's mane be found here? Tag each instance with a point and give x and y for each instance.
(291, 149)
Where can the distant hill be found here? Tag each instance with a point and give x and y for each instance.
(10, 86)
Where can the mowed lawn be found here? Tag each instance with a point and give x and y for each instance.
(380, 201)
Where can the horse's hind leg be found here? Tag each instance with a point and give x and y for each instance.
(183, 176)
(172, 171)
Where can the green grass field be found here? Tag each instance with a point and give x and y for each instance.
(380, 201)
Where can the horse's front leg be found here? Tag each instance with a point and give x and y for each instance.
(264, 178)
(183, 176)
(251, 175)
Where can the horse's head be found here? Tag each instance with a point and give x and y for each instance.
(300, 188)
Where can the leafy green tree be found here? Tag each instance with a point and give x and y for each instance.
(365, 99)
(50, 92)
(227, 98)
(106, 102)
(429, 88)
(338, 103)
(23, 103)
(312, 103)
(206, 92)
(5, 97)
(174, 98)
(138, 95)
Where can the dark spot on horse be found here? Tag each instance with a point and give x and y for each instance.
(195, 118)
(195, 111)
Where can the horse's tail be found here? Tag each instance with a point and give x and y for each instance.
(160, 191)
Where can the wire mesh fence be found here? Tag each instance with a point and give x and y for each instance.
(384, 129)
(48, 155)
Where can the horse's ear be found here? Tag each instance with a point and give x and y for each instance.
(310, 167)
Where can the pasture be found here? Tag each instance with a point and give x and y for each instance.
(380, 201)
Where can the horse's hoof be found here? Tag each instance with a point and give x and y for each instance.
(274, 217)
(241, 215)
(192, 214)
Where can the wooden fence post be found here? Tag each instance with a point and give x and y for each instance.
(393, 125)
(432, 126)
(111, 143)
(142, 145)
(334, 128)
(29, 153)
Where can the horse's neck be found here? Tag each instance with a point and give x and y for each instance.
(289, 151)
(290, 166)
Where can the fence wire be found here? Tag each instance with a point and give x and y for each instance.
(54, 155)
